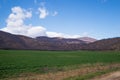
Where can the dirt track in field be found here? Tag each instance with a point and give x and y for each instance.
(111, 76)
(70, 73)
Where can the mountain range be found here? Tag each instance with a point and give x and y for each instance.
(20, 42)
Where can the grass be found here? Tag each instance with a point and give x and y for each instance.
(16, 62)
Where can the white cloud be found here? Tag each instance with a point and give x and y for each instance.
(17, 16)
(43, 13)
(37, 31)
(16, 25)
(56, 34)
(55, 13)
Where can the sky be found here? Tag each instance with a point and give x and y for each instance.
(61, 18)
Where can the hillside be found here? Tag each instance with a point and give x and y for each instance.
(104, 44)
(10, 41)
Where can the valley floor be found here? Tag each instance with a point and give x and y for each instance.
(57, 65)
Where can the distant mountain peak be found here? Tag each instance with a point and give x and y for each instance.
(87, 39)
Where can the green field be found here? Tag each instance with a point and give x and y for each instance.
(15, 62)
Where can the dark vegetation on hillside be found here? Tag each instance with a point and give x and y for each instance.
(10, 41)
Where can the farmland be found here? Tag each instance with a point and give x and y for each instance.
(13, 63)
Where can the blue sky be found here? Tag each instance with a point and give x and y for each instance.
(61, 18)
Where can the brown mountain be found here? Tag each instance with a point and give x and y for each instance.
(10, 41)
(104, 44)
(61, 43)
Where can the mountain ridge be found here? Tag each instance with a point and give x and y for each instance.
(104, 44)
(20, 42)
(11, 41)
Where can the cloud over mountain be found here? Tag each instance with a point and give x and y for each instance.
(56, 34)
(16, 24)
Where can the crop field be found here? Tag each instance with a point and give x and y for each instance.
(17, 63)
